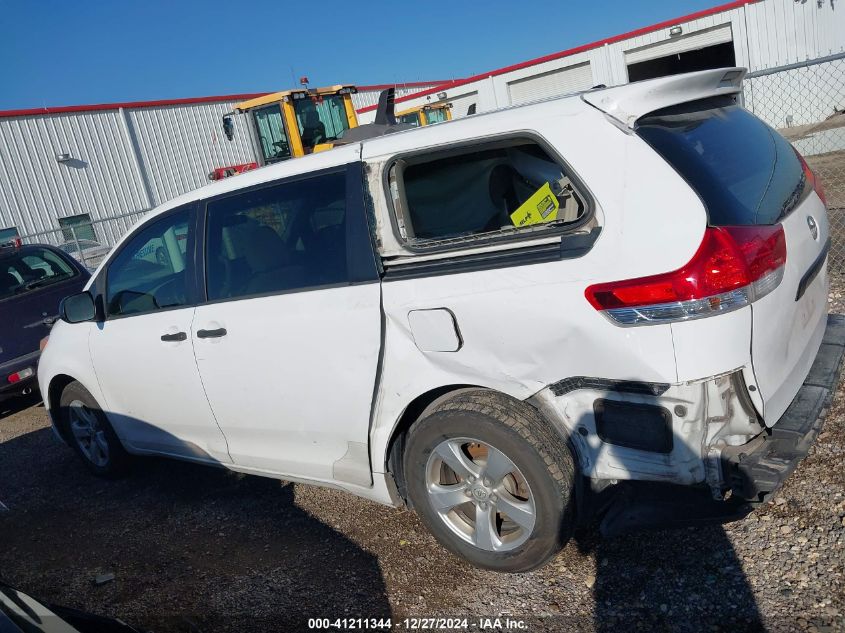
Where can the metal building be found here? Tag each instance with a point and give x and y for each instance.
(73, 166)
(65, 166)
(756, 34)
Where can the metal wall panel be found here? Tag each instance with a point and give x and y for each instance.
(550, 84)
(370, 97)
(461, 103)
(784, 31)
(36, 189)
(688, 42)
(180, 145)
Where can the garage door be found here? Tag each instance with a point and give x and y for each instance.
(461, 104)
(700, 39)
(551, 84)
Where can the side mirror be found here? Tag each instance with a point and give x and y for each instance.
(228, 127)
(77, 308)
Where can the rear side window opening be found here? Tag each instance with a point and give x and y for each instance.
(743, 170)
(483, 192)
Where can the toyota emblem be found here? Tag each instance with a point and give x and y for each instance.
(814, 229)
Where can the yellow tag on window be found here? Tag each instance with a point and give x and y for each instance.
(540, 208)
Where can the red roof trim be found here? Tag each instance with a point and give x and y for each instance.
(186, 101)
(572, 51)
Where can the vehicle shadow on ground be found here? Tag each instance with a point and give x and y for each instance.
(186, 544)
(18, 404)
(687, 579)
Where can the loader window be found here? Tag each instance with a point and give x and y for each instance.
(435, 115)
(321, 120)
(271, 133)
(485, 192)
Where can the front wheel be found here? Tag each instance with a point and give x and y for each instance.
(90, 433)
(492, 480)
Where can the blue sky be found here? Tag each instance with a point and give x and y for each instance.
(78, 52)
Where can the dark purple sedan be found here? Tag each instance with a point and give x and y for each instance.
(34, 278)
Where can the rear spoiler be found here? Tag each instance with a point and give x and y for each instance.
(632, 101)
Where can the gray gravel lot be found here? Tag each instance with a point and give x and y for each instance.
(196, 548)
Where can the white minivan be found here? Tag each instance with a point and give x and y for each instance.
(608, 306)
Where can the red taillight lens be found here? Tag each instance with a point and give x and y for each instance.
(23, 374)
(811, 177)
(730, 259)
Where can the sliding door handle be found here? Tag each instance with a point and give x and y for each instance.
(178, 336)
(211, 333)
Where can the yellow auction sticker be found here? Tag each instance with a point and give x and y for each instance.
(541, 207)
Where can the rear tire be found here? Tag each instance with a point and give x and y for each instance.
(90, 434)
(492, 480)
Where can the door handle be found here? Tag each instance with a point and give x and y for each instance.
(178, 336)
(211, 333)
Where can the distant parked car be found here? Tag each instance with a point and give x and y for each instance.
(34, 278)
(89, 252)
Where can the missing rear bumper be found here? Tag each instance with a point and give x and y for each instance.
(757, 469)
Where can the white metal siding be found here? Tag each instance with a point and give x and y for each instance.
(461, 103)
(36, 190)
(180, 145)
(550, 84)
(681, 44)
(370, 97)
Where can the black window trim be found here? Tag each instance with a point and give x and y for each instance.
(363, 260)
(191, 289)
(457, 147)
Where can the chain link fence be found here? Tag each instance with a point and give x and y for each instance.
(87, 242)
(806, 103)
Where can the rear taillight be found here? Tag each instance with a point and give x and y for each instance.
(733, 266)
(811, 177)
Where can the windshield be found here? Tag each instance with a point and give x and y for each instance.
(435, 115)
(271, 133)
(24, 271)
(320, 119)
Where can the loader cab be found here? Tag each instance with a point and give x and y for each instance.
(294, 123)
(426, 114)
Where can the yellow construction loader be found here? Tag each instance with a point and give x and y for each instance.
(425, 114)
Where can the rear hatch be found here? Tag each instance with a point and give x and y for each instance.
(748, 175)
(33, 281)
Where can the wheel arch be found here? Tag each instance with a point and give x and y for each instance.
(416, 410)
(54, 394)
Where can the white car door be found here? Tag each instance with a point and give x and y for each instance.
(142, 351)
(288, 343)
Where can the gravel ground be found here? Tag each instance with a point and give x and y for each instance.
(196, 548)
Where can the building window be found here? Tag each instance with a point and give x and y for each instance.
(8, 234)
(81, 224)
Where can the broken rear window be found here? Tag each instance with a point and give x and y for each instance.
(483, 192)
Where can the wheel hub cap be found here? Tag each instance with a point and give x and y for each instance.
(480, 494)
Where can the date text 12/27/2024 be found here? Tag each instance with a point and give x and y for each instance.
(419, 624)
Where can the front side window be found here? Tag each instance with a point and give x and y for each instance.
(26, 270)
(271, 133)
(150, 272)
(487, 191)
(284, 237)
(320, 119)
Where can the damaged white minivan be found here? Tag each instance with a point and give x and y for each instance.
(610, 307)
